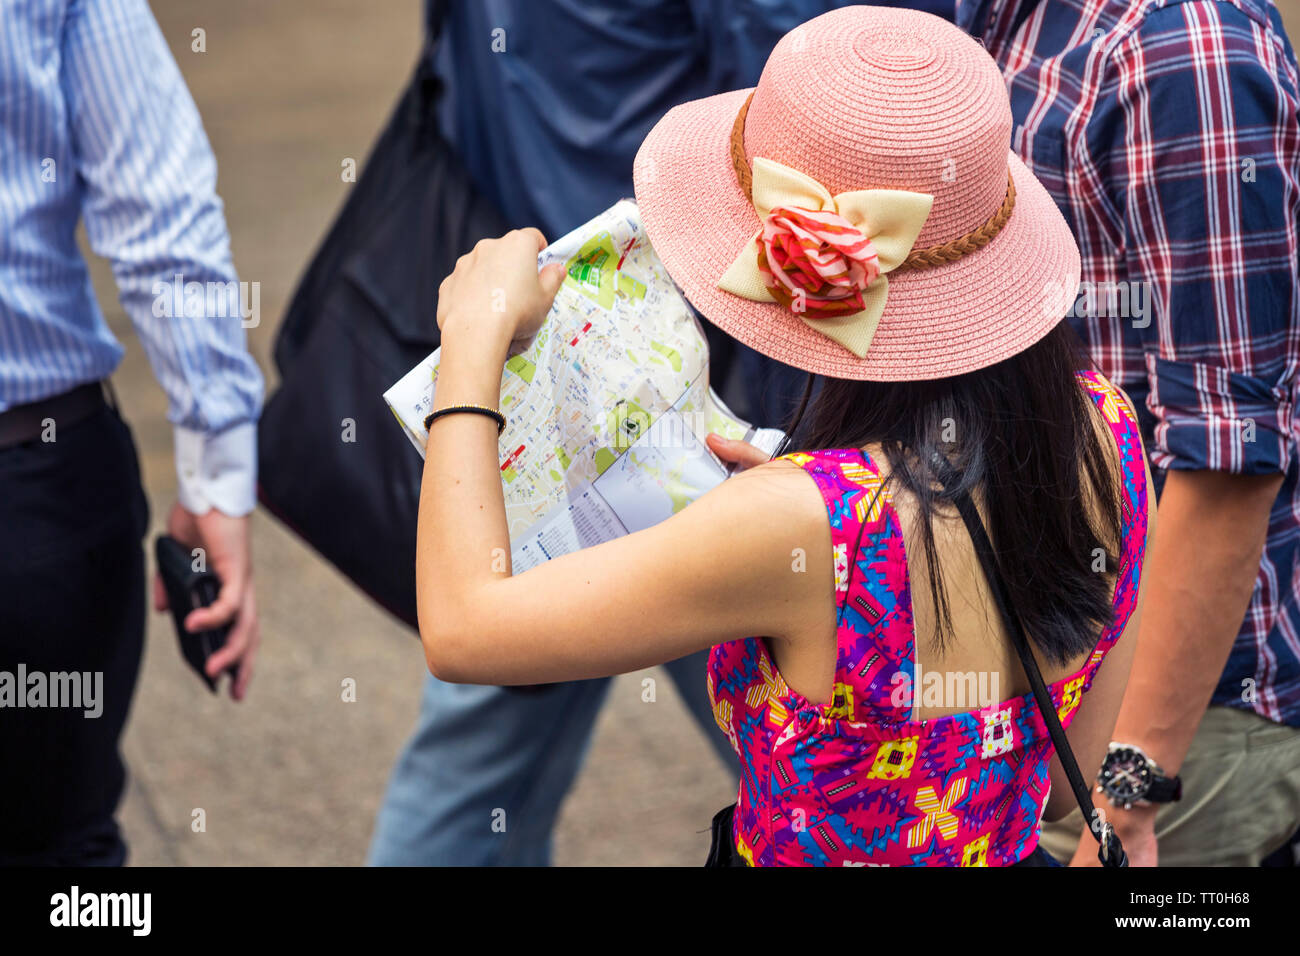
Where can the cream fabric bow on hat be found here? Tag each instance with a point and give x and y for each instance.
(890, 218)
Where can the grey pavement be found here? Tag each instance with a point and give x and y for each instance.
(294, 774)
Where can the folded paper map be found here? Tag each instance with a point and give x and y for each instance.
(606, 406)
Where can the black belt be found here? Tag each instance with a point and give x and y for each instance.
(24, 423)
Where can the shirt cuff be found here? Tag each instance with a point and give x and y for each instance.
(217, 471)
(1211, 419)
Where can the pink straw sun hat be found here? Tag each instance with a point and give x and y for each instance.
(859, 214)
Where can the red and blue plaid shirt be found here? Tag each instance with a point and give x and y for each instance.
(1167, 133)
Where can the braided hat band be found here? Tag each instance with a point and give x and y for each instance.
(927, 258)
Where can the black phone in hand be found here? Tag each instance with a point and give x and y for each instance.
(187, 590)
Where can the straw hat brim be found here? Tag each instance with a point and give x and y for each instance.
(938, 322)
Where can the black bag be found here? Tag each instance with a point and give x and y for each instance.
(363, 316)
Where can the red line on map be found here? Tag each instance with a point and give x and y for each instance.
(510, 460)
(626, 249)
(581, 332)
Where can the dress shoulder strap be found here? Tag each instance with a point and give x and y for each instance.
(1122, 419)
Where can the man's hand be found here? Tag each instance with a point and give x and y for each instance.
(739, 453)
(226, 543)
(1135, 828)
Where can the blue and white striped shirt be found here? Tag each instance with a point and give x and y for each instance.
(96, 124)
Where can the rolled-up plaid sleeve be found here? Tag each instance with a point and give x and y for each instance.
(1196, 147)
(1210, 418)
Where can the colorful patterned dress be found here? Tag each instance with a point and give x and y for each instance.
(858, 782)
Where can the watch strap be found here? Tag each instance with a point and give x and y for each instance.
(1164, 789)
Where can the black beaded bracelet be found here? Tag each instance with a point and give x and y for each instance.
(474, 409)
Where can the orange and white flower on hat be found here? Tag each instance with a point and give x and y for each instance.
(825, 257)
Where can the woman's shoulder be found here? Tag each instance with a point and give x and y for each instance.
(751, 531)
(852, 466)
(854, 490)
(781, 489)
(781, 483)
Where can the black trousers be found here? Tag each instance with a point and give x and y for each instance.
(72, 590)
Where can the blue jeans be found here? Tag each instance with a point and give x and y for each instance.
(482, 757)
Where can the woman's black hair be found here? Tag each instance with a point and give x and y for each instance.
(1023, 436)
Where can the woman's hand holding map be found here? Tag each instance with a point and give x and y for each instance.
(496, 294)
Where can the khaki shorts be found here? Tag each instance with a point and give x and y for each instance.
(1241, 796)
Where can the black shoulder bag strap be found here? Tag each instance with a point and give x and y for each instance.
(1110, 851)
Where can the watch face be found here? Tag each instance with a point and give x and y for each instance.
(1125, 776)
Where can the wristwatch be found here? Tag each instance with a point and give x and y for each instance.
(1130, 778)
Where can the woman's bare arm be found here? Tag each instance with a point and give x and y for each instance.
(721, 569)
